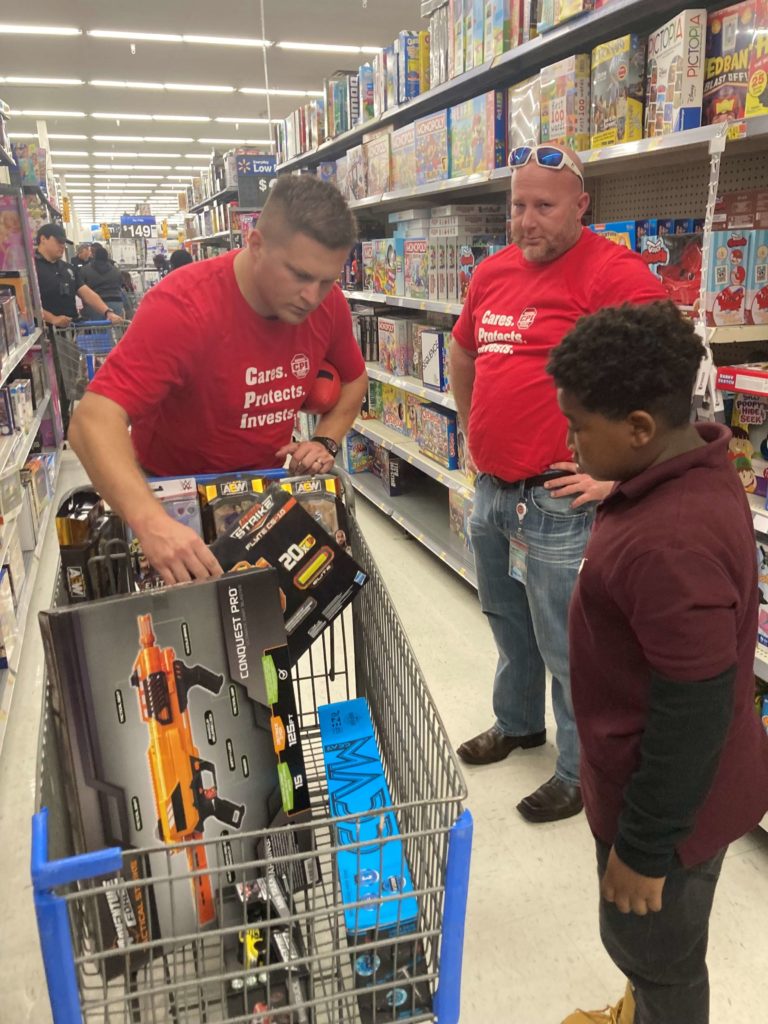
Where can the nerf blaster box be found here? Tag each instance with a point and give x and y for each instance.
(173, 704)
(317, 578)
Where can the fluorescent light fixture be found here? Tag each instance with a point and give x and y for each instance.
(24, 80)
(180, 117)
(148, 37)
(179, 87)
(69, 138)
(166, 138)
(48, 113)
(169, 156)
(108, 83)
(69, 152)
(261, 91)
(132, 167)
(22, 135)
(39, 30)
(123, 117)
(78, 175)
(243, 120)
(182, 167)
(237, 142)
(328, 47)
(227, 41)
(75, 167)
(110, 153)
(116, 138)
(197, 156)
(136, 177)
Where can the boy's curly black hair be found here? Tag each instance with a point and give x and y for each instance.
(625, 358)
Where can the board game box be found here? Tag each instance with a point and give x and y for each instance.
(726, 278)
(675, 74)
(403, 146)
(565, 102)
(478, 134)
(415, 267)
(437, 435)
(395, 345)
(357, 175)
(757, 88)
(377, 161)
(620, 232)
(757, 279)
(618, 78)
(726, 76)
(524, 114)
(432, 148)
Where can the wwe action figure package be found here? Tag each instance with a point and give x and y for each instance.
(176, 703)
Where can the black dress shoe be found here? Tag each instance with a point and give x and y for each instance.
(493, 745)
(552, 801)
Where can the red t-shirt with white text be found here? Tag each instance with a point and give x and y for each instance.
(211, 386)
(515, 313)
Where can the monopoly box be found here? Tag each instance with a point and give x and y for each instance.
(415, 267)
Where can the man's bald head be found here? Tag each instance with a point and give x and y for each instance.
(548, 204)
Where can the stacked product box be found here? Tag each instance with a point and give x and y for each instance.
(357, 173)
(460, 236)
(377, 161)
(565, 102)
(16, 283)
(408, 70)
(388, 256)
(524, 114)
(365, 77)
(459, 514)
(395, 345)
(622, 233)
(416, 267)
(437, 435)
(757, 89)
(729, 42)
(617, 91)
(434, 359)
(478, 134)
(675, 73)
(676, 259)
(432, 148)
(403, 147)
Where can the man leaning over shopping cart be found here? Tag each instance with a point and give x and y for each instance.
(218, 359)
(60, 281)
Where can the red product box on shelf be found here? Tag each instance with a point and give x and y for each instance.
(726, 75)
(751, 378)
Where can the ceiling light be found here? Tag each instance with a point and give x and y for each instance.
(182, 167)
(123, 117)
(69, 152)
(170, 156)
(260, 91)
(108, 83)
(22, 135)
(328, 47)
(166, 138)
(237, 142)
(180, 117)
(132, 167)
(53, 135)
(227, 41)
(39, 30)
(110, 153)
(178, 87)
(71, 166)
(47, 113)
(117, 138)
(137, 177)
(149, 37)
(243, 120)
(78, 175)
(197, 156)
(23, 80)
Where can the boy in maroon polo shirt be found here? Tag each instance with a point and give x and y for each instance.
(663, 623)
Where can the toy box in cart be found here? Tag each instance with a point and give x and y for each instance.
(175, 703)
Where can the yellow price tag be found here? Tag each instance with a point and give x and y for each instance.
(736, 131)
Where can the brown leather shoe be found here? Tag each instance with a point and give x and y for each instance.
(493, 745)
(552, 801)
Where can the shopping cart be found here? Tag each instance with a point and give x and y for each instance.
(333, 975)
(78, 351)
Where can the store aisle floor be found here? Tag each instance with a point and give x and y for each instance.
(532, 950)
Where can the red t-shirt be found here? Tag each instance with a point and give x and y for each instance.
(208, 384)
(669, 585)
(516, 312)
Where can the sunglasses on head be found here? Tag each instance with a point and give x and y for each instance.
(545, 156)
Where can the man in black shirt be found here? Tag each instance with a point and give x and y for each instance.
(60, 282)
(82, 255)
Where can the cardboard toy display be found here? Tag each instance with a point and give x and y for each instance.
(223, 498)
(173, 704)
(317, 577)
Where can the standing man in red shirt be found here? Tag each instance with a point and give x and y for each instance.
(218, 359)
(530, 523)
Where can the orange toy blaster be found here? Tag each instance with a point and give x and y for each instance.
(182, 799)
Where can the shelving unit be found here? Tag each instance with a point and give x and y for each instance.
(217, 199)
(221, 238)
(411, 385)
(404, 302)
(34, 190)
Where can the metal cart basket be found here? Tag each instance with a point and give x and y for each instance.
(78, 351)
(332, 974)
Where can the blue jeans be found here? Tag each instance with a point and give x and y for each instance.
(530, 621)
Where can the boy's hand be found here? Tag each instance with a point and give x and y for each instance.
(575, 482)
(632, 893)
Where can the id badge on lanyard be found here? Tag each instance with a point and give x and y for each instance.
(518, 549)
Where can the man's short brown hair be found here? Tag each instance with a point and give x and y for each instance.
(312, 207)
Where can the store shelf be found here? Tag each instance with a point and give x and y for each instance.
(214, 239)
(404, 302)
(14, 450)
(409, 450)
(13, 358)
(576, 36)
(742, 379)
(8, 676)
(215, 200)
(424, 514)
(34, 190)
(412, 385)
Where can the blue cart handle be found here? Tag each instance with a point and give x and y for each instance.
(46, 875)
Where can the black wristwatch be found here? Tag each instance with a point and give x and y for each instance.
(329, 444)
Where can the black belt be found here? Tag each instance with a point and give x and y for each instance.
(528, 483)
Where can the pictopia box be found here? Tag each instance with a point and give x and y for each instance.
(618, 80)
(174, 703)
(403, 146)
(565, 102)
(675, 73)
(478, 134)
(317, 578)
(432, 145)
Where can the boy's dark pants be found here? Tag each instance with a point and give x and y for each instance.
(664, 954)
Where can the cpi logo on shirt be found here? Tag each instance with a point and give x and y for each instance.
(300, 365)
(526, 318)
